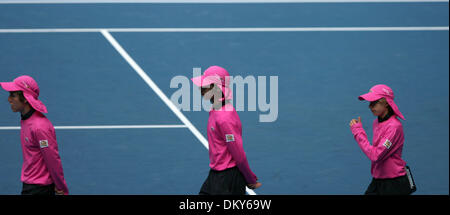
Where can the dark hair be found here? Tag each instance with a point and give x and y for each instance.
(391, 111)
(212, 99)
(223, 101)
(19, 94)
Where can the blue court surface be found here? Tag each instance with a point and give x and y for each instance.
(309, 149)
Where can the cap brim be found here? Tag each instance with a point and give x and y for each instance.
(10, 86)
(197, 81)
(202, 81)
(370, 97)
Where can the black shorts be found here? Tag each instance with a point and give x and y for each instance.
(35, 189)
(391, 186)
(226, 182)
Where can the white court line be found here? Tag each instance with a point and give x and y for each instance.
(206, 1)
(101, 127)
(158, 91)
(169, 30)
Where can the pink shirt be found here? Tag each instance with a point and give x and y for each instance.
(225, 142)
(41, 161)
(386, 150)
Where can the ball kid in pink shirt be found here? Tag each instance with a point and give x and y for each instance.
(42, 172)
(388, 168)
(229, 172)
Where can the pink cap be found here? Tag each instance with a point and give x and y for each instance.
(30, 90)
(382, 91)
(215, 75)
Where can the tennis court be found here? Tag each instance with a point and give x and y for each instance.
(118, 135)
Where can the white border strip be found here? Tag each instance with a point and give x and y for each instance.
(101, 127)
(158, 91)
(208, 1)
(169, 30)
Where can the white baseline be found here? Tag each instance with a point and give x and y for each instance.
(174, 30)
(206, 1)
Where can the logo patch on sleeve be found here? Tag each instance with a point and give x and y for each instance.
(387, 144)
(43, 143)
(229, 137)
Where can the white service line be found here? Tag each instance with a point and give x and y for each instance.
(50, 30)
(173, 30)
(101, 127)
(158, 91)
